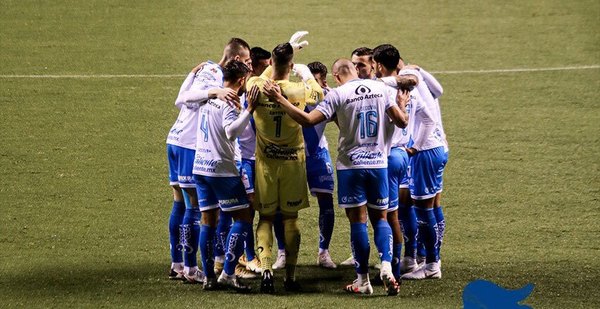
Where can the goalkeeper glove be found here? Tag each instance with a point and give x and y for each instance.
(303, 71)
(295, 40)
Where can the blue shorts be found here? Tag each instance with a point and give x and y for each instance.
(319, 172)
(181, 163)
(247, 174)
(357, 187)
(225, 192)
(426, 171)
(397, 165)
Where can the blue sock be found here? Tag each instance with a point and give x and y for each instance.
(408, 223)
(223, 227)
(383, 239)
(441, 227)
(250, 253)
(428, 227)
(175, 221)
(279, 233)
(207, 246)
(326, 222)
(235, 245)
(359, 241)
(396, 260)
(190, 228)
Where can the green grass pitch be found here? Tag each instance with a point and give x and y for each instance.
(83, 174)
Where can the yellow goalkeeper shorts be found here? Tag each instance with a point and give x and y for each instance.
(280, 185)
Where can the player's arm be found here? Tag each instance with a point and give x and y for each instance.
(425, 129)
(403, 82)
(397, 112)
(432, 83)
(300, 116)
(194, 95)
(313, 93)
(235, 128)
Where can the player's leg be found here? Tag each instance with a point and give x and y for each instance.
(319, 173)
(223, 226)
(426, 166)
(176, 217)
(252, 264)
(293, 196)
(209, 207)
(408, 220)
(233, 200)
(397, 164)
(437, 208)
(280, 237)
(351, 197)
(377, 194)
(266, 205)
(190, 231)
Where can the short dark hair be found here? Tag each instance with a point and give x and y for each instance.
(258, 53)
(235, 70)
(283, 54)
(235, 47)
(363, 51)
(387, 55)
(317, 68)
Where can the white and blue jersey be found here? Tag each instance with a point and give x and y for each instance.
(181, 140)
(247, 141)
(218, 181)
(319, 170)
(360, 107)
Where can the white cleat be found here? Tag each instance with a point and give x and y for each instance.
(324, 260)
(429, 271)
(349, 262)
(392, 287)
(408, 265)
(357, 288)
(280, 263)
(193, 275)
(233, 283)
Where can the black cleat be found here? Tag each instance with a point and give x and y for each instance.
(267, 285)
(292, 286)
(211, 284)
(175, 275)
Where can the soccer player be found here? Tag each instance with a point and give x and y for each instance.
(319, 172)
(430, 90)
(361, 107)
(280, 171)
(217, 178)
(204, 82)
(261, 59)
(362, 58)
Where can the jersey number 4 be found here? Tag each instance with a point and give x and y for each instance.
(368, 124)
(204, 127)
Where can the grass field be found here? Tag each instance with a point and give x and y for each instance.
(83, 186)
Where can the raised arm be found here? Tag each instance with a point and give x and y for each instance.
(432, 83)
(236, 128)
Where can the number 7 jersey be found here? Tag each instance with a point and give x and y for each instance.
(278, 136)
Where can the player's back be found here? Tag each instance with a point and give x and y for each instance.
(360, 106)
(278, 136)
(215, 153)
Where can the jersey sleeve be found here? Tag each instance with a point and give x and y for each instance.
(329, 105)
(390, 95)
(432, 83)
(313, 93)
(427, 123)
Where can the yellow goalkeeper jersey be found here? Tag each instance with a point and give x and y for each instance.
(279, 137)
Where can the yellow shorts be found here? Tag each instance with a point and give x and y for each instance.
(280, 185)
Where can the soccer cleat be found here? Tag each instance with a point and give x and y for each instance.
(242, 260)
(348, 262)
(242, 272)
(377, 266)
(429, 271)
(280, 263)
(420, 261)
(233, 283)
(211, 284)
(292, 286)
(324, 260)
(267, 284)
(218, 268)
(356, 288)
(194, 276)
(254, 266)
(408, 265)
(390, 284)
(176, 274)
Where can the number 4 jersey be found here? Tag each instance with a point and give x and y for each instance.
(360, 106)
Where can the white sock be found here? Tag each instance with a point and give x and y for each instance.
(323, 251)
(177, 266)
(363, 278)
(280, 252)
(220, 259)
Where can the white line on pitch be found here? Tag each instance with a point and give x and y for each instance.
(516, 70)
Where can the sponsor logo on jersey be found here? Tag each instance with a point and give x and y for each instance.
(294, 203)
(362, 89)
(273, 151)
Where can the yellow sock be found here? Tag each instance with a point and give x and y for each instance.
(292, 246)
(264, 241)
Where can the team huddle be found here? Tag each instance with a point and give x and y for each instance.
(248, 140)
